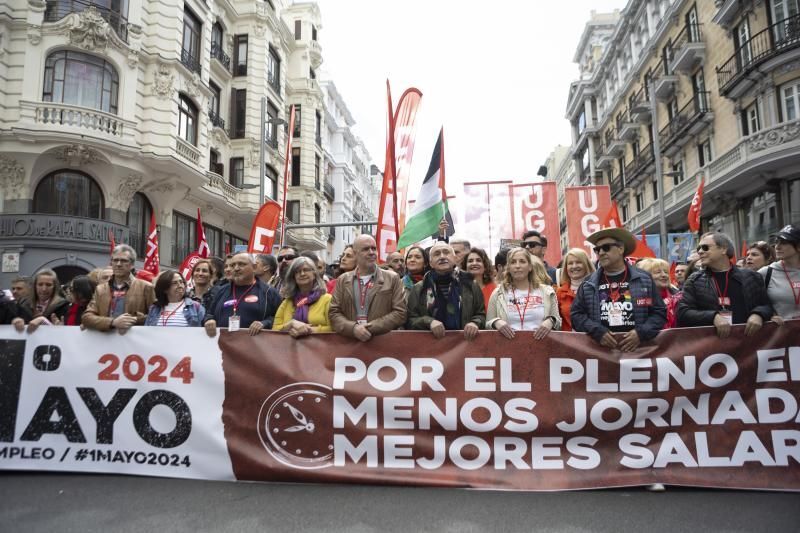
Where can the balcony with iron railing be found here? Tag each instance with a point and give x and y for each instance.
(664, 81)
(639, 106)
(56, 10)
(688, 48)
(627, 129)
(215, 119)
(617, 184)
(329, 191)
(219, 54)
(732, 76)
(692, 118)
(614, 145)
(190, 61)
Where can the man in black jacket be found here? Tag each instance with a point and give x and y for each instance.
(722, 294)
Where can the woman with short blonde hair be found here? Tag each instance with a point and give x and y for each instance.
(659, 271)
(525, 301)
(576, 267)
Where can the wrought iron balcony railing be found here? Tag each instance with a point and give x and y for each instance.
(215, 119)
(190, 61)
(689, 114)
(219, 54)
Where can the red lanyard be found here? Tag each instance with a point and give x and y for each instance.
(723, 296)
(362, 291)
(236, 301)
(169, 315)
(524, 309)
(796, 295)
(615, 292)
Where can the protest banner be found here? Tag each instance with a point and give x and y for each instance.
(586, 208)
(536, 208)
(561, 413)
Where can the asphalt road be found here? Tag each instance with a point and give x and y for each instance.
(64, 503)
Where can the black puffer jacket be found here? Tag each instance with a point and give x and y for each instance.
(700, 302)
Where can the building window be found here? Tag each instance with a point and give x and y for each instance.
(318, 129)
(312, 74)
(240, 55)
(624, 212)
(313, 33)
(677, 173)
(751, 120)
(214, 164)
(704, 152)
(295, 167)
(213, 106)
(238, 113)
(184, 237)
(236, 177)
(187, 120)
(639, 200)
(232, 242)
(297, 120)
(274, 70)
(214, 240)
(293, 211)
(317, 214)
(216, 37)
(272, 125)
(271, 185)
(790, 94)
(742, 44)
(192, 30)
(80, 79)
(298, 30)
(69, 193)
(138, 221)
(654, 189)
(317, 182)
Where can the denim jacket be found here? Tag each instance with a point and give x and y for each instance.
(192, 311)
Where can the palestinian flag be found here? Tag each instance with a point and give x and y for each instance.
(431, 204)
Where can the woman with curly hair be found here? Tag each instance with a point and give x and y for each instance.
(479, 266)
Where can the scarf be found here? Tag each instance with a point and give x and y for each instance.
(443, 298)
(409, 280)
(302, 302)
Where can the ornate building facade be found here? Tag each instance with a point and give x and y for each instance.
(724, 80)
(111, 111)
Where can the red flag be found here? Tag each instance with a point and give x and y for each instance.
(397, 169)
(672, 267)
(695, 209)
(111, 238)
(202, 244)
(227, 247)
(262, 234)
(188, 265)
(612, 219)
(286, 171)
(585, 206)
(642, 250)
(744, 249)
(151, 257)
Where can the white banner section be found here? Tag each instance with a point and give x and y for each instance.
(146, 403)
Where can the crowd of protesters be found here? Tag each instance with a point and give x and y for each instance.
(619, 301)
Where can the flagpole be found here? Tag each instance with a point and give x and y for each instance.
(662, 218)
(441, 173)
(286, 172)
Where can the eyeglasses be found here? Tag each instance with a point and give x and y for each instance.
(531, 244)
(606, 247)
(703, 247)
(287, 257)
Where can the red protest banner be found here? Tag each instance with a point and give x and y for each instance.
(262, 233)
(560, 413)
(585, 207)
(536, 208)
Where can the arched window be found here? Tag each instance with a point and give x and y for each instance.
(80, 79)
(187, 120)
(69, 192)
(139, 214)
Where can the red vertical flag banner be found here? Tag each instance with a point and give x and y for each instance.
(286, 170)
(585, 208)
(113, 244)
(536, 208)
(694, 210)
(262, 234)
(151, 258)
(397, 169)
(612, 219)
(202, 243)
(642, 249)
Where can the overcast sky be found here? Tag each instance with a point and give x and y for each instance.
(495, 74)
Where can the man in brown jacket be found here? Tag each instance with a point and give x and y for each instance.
(123, 301)
(367, 301)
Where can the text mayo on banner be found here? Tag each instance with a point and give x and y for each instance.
(562, 413)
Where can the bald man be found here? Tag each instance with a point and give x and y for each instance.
(368, 300)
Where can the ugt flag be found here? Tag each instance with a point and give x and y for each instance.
(430, 207)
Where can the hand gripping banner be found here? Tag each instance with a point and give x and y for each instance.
(405, 409)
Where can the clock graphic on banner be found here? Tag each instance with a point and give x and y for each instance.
(295, 425)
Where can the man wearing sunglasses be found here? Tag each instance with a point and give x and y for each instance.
(721, 294)
(618, 305)
(286, 255)
(536, 244)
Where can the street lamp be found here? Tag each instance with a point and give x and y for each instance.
(264, 124)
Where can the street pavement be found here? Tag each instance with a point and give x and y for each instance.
(32, 502)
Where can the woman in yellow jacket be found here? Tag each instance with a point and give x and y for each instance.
(304, 309)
